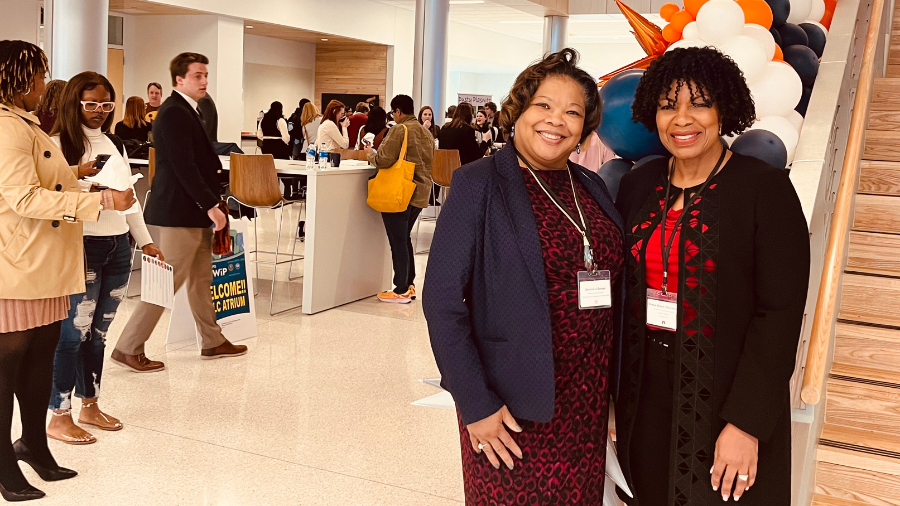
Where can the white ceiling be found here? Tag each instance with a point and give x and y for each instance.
(498, 18)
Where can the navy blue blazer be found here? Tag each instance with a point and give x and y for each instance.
(485, 293)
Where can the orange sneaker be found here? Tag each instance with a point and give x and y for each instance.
(395, 298)
(411, 293)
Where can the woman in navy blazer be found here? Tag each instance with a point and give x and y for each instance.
(501, 299)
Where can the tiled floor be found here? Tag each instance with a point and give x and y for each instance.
(318, 413)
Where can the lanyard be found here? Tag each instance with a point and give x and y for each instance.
(665, 247)
(583, 227)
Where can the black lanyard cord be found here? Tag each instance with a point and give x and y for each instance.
(666, 246)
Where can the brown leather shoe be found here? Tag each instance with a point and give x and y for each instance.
(137, 363)
(223, 350)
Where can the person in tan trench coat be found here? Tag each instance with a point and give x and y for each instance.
(41, 262)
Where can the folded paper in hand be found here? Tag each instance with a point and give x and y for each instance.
(116, 175)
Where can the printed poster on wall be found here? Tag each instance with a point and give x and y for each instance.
(232, 295)
(476, 100)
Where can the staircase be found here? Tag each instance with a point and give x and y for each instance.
(859, 450)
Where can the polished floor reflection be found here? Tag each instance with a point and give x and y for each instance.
(318, 413)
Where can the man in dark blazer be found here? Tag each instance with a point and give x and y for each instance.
(183, 212)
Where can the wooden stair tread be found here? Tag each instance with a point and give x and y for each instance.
(870, 299)
(882, 145)
(873, 462)
(869, 407)
(858, 486)
(886, 94)
(874, 351)
(861, 437)
(892, 71)
(879, 177)
(874, 253)
(884, 119)
(824, 500)
(877, 213)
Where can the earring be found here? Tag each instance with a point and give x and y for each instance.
(578, 148)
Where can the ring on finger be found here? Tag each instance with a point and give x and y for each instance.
(743, 477)
(482, 446)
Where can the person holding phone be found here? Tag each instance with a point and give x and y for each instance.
(85, 115)
(42, 209)
(334, 136)
(373, 132)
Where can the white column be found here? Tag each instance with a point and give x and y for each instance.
(556, 34)
(229, 79)
(431, 55)
(80, 31)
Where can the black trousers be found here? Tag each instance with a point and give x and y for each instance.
(26, 372)
(399, 227)
(652, 435)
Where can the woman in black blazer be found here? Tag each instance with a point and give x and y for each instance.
(460, 135)
(703, 411)
(516, 346)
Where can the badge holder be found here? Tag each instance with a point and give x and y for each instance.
(662, 310)
(594, 290)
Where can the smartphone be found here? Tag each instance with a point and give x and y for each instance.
(101, 161)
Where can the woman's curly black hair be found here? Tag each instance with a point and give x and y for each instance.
(710, 74)
(563, 63)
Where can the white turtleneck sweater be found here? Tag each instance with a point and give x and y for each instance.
(111, 222)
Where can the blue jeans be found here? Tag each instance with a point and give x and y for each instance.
(79, 356)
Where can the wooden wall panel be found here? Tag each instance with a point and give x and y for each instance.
(357, 67)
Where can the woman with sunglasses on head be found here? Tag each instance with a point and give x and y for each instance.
(85, 114)
(41, 262)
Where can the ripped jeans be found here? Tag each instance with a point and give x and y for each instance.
(79, 356)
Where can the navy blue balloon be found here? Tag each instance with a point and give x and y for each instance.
(762, 144)
(793, 35)
(617, 130)
(804, 101)
(804, 61)
(612, 171)
(781, 9)
(776, 35)
(816, 37)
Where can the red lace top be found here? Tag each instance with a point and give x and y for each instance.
(654, 255)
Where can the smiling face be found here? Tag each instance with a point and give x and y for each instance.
(480, 118)
(154, 95)
(95, 119)
(550, 128)
(194, 82)
(688, 122)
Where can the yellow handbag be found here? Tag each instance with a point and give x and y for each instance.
(392, 188)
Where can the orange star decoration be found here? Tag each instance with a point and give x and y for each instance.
(648, 35)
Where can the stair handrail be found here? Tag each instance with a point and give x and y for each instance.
(824, 317)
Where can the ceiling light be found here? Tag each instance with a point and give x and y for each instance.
(324, 40)
(250, 26)
(466, 2)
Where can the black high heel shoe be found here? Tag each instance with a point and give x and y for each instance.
(29, 494)
(46, 474)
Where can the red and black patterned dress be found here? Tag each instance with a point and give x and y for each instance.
(564, 461)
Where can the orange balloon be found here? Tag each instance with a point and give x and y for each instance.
(680, 19)
(779, 55)
(671, 34)
(667, 10)
(830, 5)
(693, 6)
(757, 12)
(826, 19)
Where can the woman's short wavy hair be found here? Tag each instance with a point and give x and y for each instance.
(563, 63)
(709, 74)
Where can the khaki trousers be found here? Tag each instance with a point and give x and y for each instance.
(189, 252)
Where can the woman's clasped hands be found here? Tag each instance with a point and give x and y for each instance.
(489, 435)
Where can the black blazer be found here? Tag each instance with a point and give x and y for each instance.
(747, 287)
(186, 183)
(462, 139)
(485, 293)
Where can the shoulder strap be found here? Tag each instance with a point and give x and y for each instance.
(405, 142)
(118, 143)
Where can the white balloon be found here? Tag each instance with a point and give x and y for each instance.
(784, 129)
(800, 10)
(729, 139)
(762, 36)
(777, 91)
(748, 54)
(796, 119)
(720, 20)
(693, 33)
(816, 12)
(686, 43)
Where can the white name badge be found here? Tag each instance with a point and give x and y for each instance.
(594, 290)
(662, 310)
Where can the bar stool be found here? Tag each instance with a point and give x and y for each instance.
(254, 183)
(445, 162)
